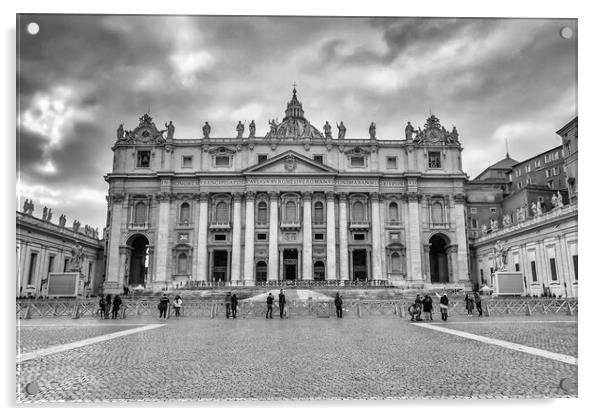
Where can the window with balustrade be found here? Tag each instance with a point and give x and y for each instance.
(182, 263)
(438, 214)
(358, 212)
(262, 213)
(318, 213)
(290, 212)
(393, 212)
(139, 213)
(395, 262)
(221, 212)
(185, 213)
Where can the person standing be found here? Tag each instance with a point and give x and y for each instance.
(234, 305)
(177, 305)
(108, 304)
(101, 307)
(418, 303)
(477, 301)
(228, 302)
(281, 303)
(427, 308)
(338, 303)
(270, 303)
(469, 304)
(163, 305)
(116, 306)
(443, 305)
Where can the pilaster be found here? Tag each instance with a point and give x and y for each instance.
(273, 259)
(236, 238)
(307, 237)
(249, 264)
(331, 254)
(343, 241)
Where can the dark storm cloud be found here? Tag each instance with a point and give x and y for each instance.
(492, 78)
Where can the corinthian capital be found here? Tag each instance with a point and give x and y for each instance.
(307, 196)
(250, 195)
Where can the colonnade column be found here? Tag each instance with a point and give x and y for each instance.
(273, 242)
(377, 272)
(201, 262)
(413, 238)
(162, 238)
(461, 271)
(249, 238)
(307, 238)
(343, 247)
(117, 212)
(331, 251)
(236, 238)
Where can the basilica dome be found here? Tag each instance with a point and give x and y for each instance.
(294, 124)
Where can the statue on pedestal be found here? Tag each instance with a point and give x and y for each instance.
(252, 129)
(493, 224)
(62, 220)
(520, 214)
(500, 256)
(342, 130)
(539, 208)
(483, 230)
(76, 225)
(49, 215)
(44, 213)
(206, 130)
(327, 130)
(240, 129)
(120, 132)
(273, 127)
(28, 207)
(409, 131)
(506, 220)
(372, 130)
(77, 258)
(534, 209)
(170, 129)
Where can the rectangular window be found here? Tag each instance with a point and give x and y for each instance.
(357, 161)
(575, 265)
(65, 264)
(533, 271)
(319, 236)
(545, 159)
(394, 236)
(50, 264)
(493, 210)
(219, 237)
(32, 268)
(183, 237)
(319, 158)
(474, 223)
(262, 237)
(516, 267)
(359, 237)
(187, 161)
(434, 160)
(473, 210)
(262, 158)
(143, 159)
(391, 163)
(482, 277)
(553, 269)
(491, 271)
(222, 161)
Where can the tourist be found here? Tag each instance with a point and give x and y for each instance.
(101, 307)
(443, 305)
(281, 303)
(477, 301)
(234, 305)
(228, 302)
(469, 303)
(116, 305)
(163, 305)
(270, 302)
(414, 311)
(108, 303)
(427, 308)
(418, 303)
(338, 303)
(177, 305)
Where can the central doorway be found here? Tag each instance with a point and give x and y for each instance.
(360, 269)
(138, 261)
(289, 257)
(438, 259)
(220, 265)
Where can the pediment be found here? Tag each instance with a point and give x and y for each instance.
(290, 162)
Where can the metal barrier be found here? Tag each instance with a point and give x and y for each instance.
(194, 285)
(198, 308)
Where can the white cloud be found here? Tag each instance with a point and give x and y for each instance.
(47, 168)
(188, 64)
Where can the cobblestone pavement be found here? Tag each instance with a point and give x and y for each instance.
(311, 358)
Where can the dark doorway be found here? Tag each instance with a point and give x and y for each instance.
(289, 257)
(438, 259)
(261, 271)
(138, 263)
(359, 265)
(220, 265)
(319, 271)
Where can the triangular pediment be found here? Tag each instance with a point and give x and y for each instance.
(290, 162)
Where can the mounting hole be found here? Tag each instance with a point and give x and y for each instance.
(568, 385)
(32, 388)
(33, 28)
(566, 32)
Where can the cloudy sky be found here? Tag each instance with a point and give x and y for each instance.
(81, 76)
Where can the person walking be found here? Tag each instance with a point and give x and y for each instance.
(281, 303)
(469, 304)
(338, 303)
(163, 305)
(116, 306)
(177, 305)
(101, 307)
(234, 305)
(443, 305)
(477, 301)
(108, 304)
(228, 302)
(270, 303)
(427, 308)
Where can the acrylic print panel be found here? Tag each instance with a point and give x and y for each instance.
(295, 208)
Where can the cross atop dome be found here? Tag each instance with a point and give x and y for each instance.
(294, 108)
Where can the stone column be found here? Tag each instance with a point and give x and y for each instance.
(307, 237)
(343, 247)
(236, 238)
(461, 272)
(377, 250)
(427, 263)
(201, 262)
(161, 252)
(249, 239)
(414, 242)
(118, 212)
(452, 263)
(273, 242)
(331, 250)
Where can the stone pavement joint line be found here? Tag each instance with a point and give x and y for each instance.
(510, 345)
(77, 344)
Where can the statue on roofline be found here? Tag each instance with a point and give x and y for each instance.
(252, 129)
(170, 129)
(409, 131)
(372, 130)
(327, 130)
(240, 129)
(342, 130)
(206, 130)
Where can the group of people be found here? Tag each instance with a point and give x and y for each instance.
(424, 305)
(471, 299)
(109, 307)
(164, 306)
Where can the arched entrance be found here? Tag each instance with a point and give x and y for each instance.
(438, 259)
(319, 270)
(261, 271)
(138, 260)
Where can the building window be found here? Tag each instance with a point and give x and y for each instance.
(319, 158)
(262, 158)
(434, 160)
(553, 269)
(183, 237)
(359, 236)
(538, 163)
(490, 271)
(219, 237)
(290, 213)
(50, 264)
(187, 161)
(261, 271)
(140, 213)
(319, 270)
(551, 184)
(396, 262)
(394, 236)
(575, 266)
(358, 212)
(319, 236)
(391, 163)
(33, 259)
(437, 213)
(65, 264)
(318, 213)
(533, 271)
(262, 213)
(221, 213)
(474, 223)
(185, 213)
(393, 212)
(222, 161)
(182, 263)
(357, 161)
(482, 277)
(143, 159)
(493, 210)
(473, 210)
(545, 159)
(516, 267)
(262, 237)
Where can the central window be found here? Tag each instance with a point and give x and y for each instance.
(357, 161)
(434, 160)
(222, 161)
(262, 213)
(143, 159)
(290, 213)
(319, 213)
(391, 163)
(358, 212)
